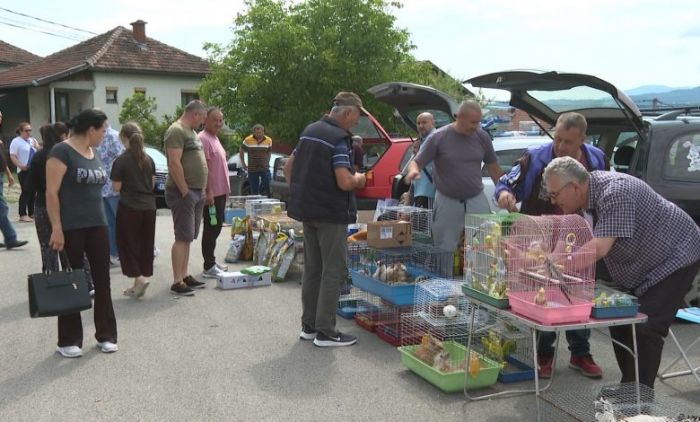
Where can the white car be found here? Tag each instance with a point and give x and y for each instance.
(508, 150)
(238, 177)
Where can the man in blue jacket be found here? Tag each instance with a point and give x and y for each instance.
(524, 184)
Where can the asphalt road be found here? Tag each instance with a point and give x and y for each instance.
(235, 356)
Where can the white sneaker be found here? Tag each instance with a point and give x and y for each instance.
(221, 267)
(107, 346)
(212, 272)
(70, 351)
(156, 252)
(114, 261)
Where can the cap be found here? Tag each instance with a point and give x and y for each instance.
(345, 98)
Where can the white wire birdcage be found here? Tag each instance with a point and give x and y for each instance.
(392, 273)
(485, 256)
(441, 302)
(508, 343)
(614, 403)
(420, 219)
(550, 268)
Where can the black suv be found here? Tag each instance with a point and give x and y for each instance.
(662, 150)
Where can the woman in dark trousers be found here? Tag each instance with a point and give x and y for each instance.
(50, 135)
(133, 176)
(74, 179)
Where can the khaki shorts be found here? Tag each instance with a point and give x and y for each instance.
(186, 211)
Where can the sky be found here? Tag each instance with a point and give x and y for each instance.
(628, 43)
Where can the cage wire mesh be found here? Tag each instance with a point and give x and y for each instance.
(485, 254)
(614, 403)
(240, 201)
(397, 266)
(510, 345)
(370, 311)
(420, 218)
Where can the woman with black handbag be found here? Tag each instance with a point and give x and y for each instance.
(74, 179)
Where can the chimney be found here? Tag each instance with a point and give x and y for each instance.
(139, 30)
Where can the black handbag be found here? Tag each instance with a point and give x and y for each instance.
(58, 293)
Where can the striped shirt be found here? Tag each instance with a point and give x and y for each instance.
(654, 237)
(258, 153)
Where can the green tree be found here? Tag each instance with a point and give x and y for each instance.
(139, 108)
(287, 61)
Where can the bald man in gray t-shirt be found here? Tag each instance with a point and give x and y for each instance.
(457, 151)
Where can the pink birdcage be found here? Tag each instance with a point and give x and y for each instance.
(551, 268)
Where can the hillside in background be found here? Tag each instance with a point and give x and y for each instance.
(666, 97)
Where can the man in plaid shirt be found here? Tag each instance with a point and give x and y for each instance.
(650, 246)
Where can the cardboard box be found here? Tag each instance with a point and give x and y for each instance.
(232, 280)
(388, 234)
(264, 279)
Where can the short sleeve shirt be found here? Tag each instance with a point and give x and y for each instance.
(258, 153)
(215, 154)
(654, 237)
(80, 194)
(194, 164)
(137, 183)
(24, 149)
(109, 149)
(457, 160)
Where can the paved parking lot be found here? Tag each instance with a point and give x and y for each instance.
(233, 355)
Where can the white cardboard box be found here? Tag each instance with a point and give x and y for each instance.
(264, 279)
(232, 280)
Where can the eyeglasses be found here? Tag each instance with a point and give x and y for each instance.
(554, 195)
(27, 130)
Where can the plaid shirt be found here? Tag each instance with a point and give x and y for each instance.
(654, 237)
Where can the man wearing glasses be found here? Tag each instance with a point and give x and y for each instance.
(321, 180)
(524, 183)
(650, 246)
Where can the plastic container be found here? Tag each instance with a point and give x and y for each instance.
(453, 381)
(616, 304)
(557, 311)
(483, 297)
(231, 213)
(515, 371)
(400, 295)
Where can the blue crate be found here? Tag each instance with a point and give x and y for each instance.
(614, 311)
(231, 213)
(400, 295)
(516, 372)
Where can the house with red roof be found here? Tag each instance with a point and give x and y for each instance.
(100, 72)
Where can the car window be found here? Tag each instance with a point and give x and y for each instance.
(441, 118)
(406, 158)
(506, 159)
(372, 153)
(623, 152)
(366, 129)
(682, 160)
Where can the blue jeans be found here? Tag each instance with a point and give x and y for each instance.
(111, 204)
(5, 226)
(577, 339)
(259, 182)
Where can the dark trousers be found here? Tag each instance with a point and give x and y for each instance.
(93, 242)
(325, 271)
(577, 339)
(210, 232)
(26, 198)
(259, 182)
(136, 232)
(660, 303)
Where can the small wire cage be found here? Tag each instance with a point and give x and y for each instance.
(370, 311)
(486, 272)
(441, 302)
(420, 219)
(508, 343)
(613, 403)
(397, 266)
(240, 201)
(551, 268)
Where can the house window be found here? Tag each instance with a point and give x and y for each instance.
(111, 95)
(187, 96)
(140, 91)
